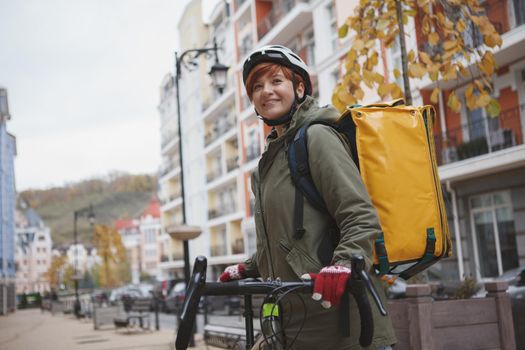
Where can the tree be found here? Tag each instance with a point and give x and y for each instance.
(453, 33)
(69, 273)
(109, 247)
(55, 271)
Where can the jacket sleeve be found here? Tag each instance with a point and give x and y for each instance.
(250, 266)
(337, 179)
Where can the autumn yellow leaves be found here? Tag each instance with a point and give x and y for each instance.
(455, 43)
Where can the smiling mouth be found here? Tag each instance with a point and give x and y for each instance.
(270, 103)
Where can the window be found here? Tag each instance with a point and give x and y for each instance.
(478, 125)
(519, 11)
(332, 20)
(472, 36)
(309, 44)
(494, 235)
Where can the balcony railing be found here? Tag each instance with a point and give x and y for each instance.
(169, 167)
(212, 175)
(278, 11)
(177, 256)
(220, 127)
(486, 135)
(168, 138)
(221, 211)
(232, 163)
(218, 250)
(253, 151)
(238, 246)
(238, 3)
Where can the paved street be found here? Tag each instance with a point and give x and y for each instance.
(31, 329)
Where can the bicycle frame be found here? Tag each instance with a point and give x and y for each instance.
(357, 286)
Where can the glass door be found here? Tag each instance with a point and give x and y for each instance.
(494, 235)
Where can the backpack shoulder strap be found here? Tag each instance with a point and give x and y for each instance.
(301, 177)
(300, 169)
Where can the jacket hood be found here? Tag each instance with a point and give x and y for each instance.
(308, 111)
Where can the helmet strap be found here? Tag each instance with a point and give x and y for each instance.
(281, 120)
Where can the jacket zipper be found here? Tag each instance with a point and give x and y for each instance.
(267, 239)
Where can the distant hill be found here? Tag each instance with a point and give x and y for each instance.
(118, 195)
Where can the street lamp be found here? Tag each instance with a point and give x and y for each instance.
(218, 74)
(90, 215)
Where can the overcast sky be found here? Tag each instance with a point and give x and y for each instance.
(83, 78)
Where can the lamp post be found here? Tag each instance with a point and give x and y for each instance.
(90, 215)
(218, 74)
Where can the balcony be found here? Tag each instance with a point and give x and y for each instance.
(232, 163)
(218, 250)
(238, 246)
(221, 211)
(220, 127)
(487, 135)
(169, 167)
(253, 151)
(168, 139)
(284, 21)
(212, 175)
(177, 256)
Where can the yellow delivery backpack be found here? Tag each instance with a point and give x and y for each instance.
(393, 147)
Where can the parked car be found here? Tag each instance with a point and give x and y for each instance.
(131, 291)
(175, 298)
(229, 304)
(99, 297)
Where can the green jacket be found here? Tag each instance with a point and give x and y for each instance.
(280, 255)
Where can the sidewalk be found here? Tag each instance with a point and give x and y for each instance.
(31, 329)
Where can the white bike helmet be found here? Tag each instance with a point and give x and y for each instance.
(280, 55)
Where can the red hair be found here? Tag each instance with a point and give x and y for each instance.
(264, 68)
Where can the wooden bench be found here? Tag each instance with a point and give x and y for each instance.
(226, 337)
(137, 314)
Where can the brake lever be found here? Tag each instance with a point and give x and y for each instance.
(358, 265)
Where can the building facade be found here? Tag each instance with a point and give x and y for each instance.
(145, 243)
(481, 160)
(33, 253)
(7, 210)
(151, 239)
(130, 235)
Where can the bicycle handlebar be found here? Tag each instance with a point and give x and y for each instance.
(358, 284)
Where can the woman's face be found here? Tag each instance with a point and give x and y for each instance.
(273, 95)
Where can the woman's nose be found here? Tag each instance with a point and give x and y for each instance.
(267, 88)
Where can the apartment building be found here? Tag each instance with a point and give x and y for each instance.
(7, 210)
(223, 139)
(146, 246)
(482, 159)
(33, 252)
(130, 235)
(151, 239)
(486, 216)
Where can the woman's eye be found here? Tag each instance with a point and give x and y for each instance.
(277, 81)
(257, 87)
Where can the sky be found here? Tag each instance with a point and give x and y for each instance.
(83, 81)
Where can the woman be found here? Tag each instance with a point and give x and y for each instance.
(278, 84)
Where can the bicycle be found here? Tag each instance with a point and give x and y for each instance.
(358, 284)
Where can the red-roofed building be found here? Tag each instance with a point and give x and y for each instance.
(145, 245)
